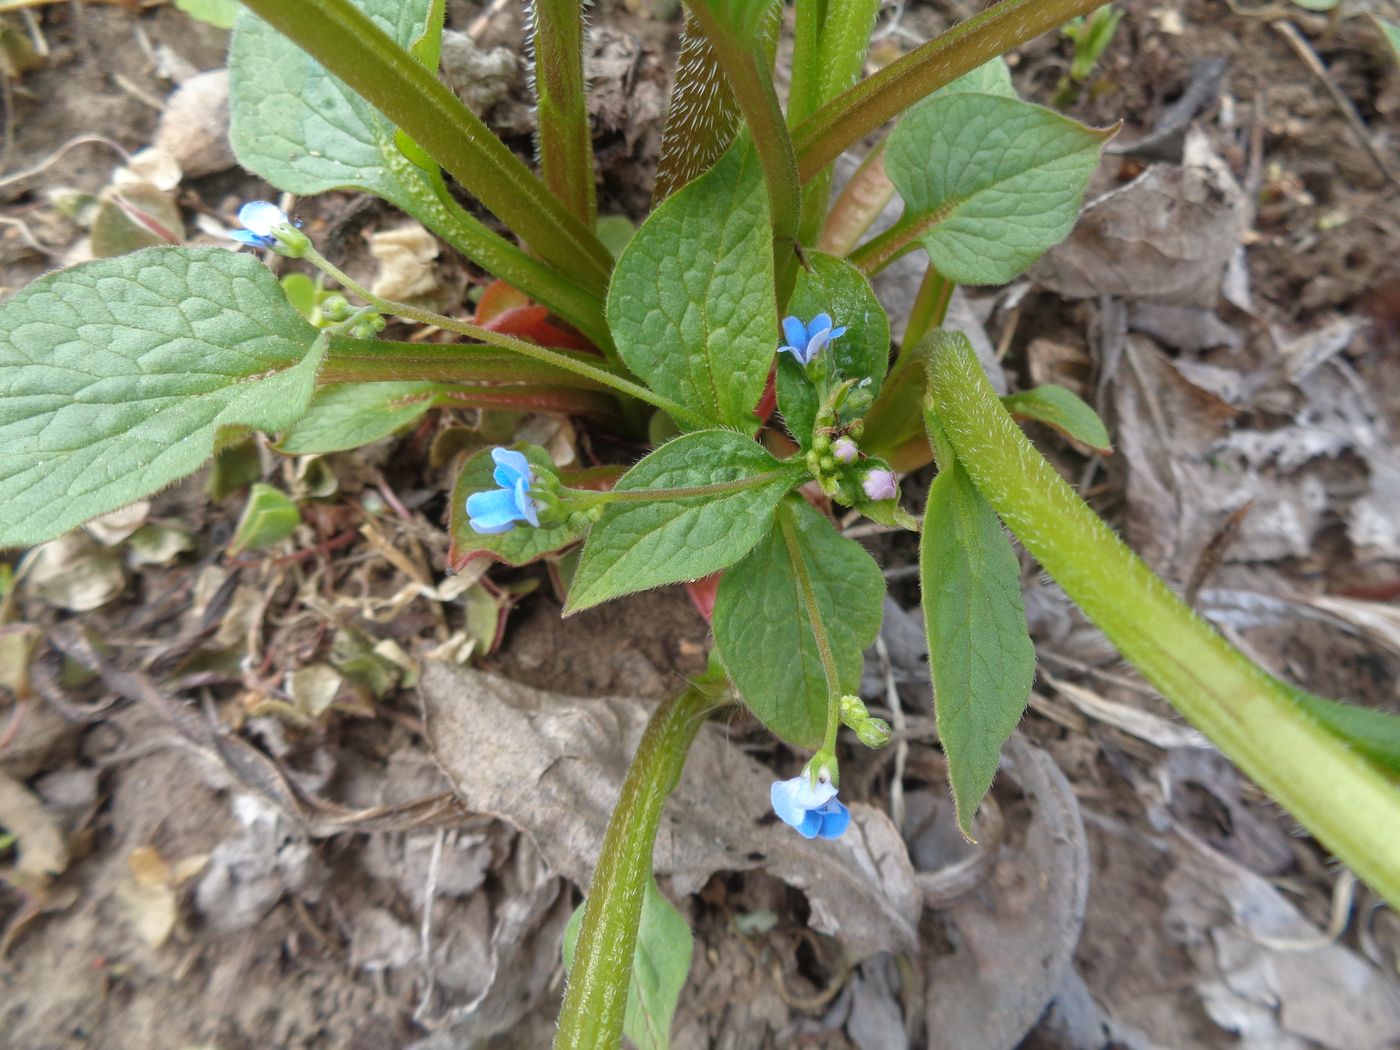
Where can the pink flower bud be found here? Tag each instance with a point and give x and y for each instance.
(879, 484)
(845, 450)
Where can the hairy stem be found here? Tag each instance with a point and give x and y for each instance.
(566, 143)
(596, 997)
(1349, 804)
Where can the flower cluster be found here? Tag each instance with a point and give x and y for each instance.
(497, 510)
(806, 341)
(810, 805)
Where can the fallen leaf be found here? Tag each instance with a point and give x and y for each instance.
(43, 853)
(553, 766)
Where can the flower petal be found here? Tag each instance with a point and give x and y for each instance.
(834, 818)
(261, 217)
(253, 240)
(811, 825)
(511, 466)
(837, 332)
(524, 505)
(794, 331)
(493, 511)
(820, 323)
(817, 344)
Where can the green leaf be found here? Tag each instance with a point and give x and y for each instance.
(723, 488)
(691, 305)
(989, 183)
(1059, 408)
(990, 78)
(1391, 32)
(521, 544)
(660, 964)
(833, 286)
(269, 517)
(763, 633)
(306, 132)
(348, 415)
(979, 649)
(116, 377)
(219, 13)
(1374, 734)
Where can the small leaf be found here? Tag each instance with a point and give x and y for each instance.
(762, 629)
(521, 544)
(989, 182)
(220, 13)
(1060, 408)
(660, 964)
(833, 286)
(691, 304)
(1374, 734)
(347, 415)
(116, 377)
(979, 648)
(269, 517)
(637, 545)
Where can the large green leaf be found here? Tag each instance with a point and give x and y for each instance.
(833, 286)
(692, 302)
(306, 132)
(989, 182)
(660, 964)
(763, 631)
(116, 377)
(722, 491)
(348, 415)
(979, 649)
(521, 544)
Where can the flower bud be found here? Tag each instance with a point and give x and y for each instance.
(880, 484)
(844, 450)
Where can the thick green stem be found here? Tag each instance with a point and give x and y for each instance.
(847, 119)
(379, 361)
(558, 358)
(347, 42)
(1352, 807)
(930, 306)
(881, 250)
(596, 997)
(745, 65)
(566, 143)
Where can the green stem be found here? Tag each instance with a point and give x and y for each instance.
(1346, 802)
(596, 997)
(930, 306)
(500, 258)
(847, 119)
(884, 248)
(348, 43)
(557, 358)
(814, 618)
(804, 96)
(745, 65)
(380, 361)
(566, 144)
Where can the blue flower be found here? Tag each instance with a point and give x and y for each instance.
(805, 341)
(498, 510)
(813, 809)
(258, 219)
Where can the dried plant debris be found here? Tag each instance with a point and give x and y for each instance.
(553, 765)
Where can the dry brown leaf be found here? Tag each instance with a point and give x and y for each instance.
(553, 765)
(1165, 237)
(43, 853)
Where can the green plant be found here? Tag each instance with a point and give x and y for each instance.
(123, 375)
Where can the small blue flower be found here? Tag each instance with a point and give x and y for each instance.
(258, 219)
(805, 341)
(497, 510)
(813, 809)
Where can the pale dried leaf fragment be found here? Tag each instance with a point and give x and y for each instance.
(407, 262)
(43, 853)
(553, 766)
